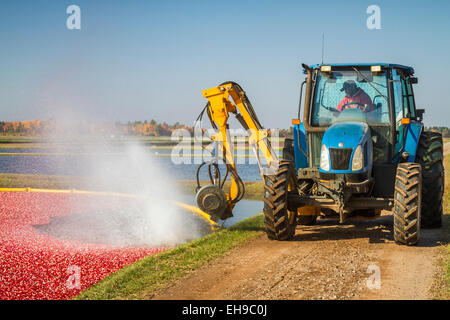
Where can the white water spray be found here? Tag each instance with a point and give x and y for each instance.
(157, 220)
(153, 220)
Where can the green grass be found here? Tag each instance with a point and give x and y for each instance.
(142, 279)
(41, 181)
(24, 145)
(253, 190)
(12, 137)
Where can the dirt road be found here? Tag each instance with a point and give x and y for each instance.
(446, 148)
(325, 261)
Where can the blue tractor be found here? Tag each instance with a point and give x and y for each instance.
(357, 153)
(360, 149)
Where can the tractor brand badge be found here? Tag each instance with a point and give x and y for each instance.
(341, 144)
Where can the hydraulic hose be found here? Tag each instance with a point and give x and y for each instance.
(229, 170)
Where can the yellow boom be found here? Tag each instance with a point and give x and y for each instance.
(219, 108)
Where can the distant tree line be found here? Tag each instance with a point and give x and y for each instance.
(42, 127)
(136, 128)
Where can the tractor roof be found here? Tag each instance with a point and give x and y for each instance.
(389, 65)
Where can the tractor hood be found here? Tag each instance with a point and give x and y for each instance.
(345, 134)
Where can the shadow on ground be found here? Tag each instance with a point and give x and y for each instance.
(376, 231)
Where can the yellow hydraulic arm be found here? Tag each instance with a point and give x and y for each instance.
(219, 108)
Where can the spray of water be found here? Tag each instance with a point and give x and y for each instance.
(156, 219)
(152, 220)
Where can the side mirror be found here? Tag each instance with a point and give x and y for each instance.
(414, 80)
(419, 114)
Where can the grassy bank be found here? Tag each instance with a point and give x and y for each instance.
(253, 190)
(144, 278)
(41, 181)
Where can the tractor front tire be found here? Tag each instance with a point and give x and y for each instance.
(430, 156)
(280, 222)
(407, 203)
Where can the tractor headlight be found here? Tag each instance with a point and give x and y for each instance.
(324, 158)
(357, 162)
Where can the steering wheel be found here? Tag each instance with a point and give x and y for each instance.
(362, 106)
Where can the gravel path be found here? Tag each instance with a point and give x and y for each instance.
(325, 261)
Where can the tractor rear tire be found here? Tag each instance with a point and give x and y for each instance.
(430, 156)
(280, 222)
(407, 203)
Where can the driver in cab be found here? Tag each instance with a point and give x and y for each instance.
(355, 98)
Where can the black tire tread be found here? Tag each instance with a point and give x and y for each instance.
(407, 203)
(275, 203)
(430, 156)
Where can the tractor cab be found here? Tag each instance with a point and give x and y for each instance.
(362, 148)
(354, 120)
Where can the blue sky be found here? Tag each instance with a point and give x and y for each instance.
(137, 60)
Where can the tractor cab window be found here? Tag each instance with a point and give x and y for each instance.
(350, 95)
(397, 85)
(408, 99)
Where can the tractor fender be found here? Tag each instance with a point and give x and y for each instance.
(300, 146)
(411, 141)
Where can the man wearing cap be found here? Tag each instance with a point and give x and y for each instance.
(355, 98)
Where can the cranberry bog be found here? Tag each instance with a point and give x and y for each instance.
(54, 245)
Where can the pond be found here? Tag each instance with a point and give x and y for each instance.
(82, 165)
